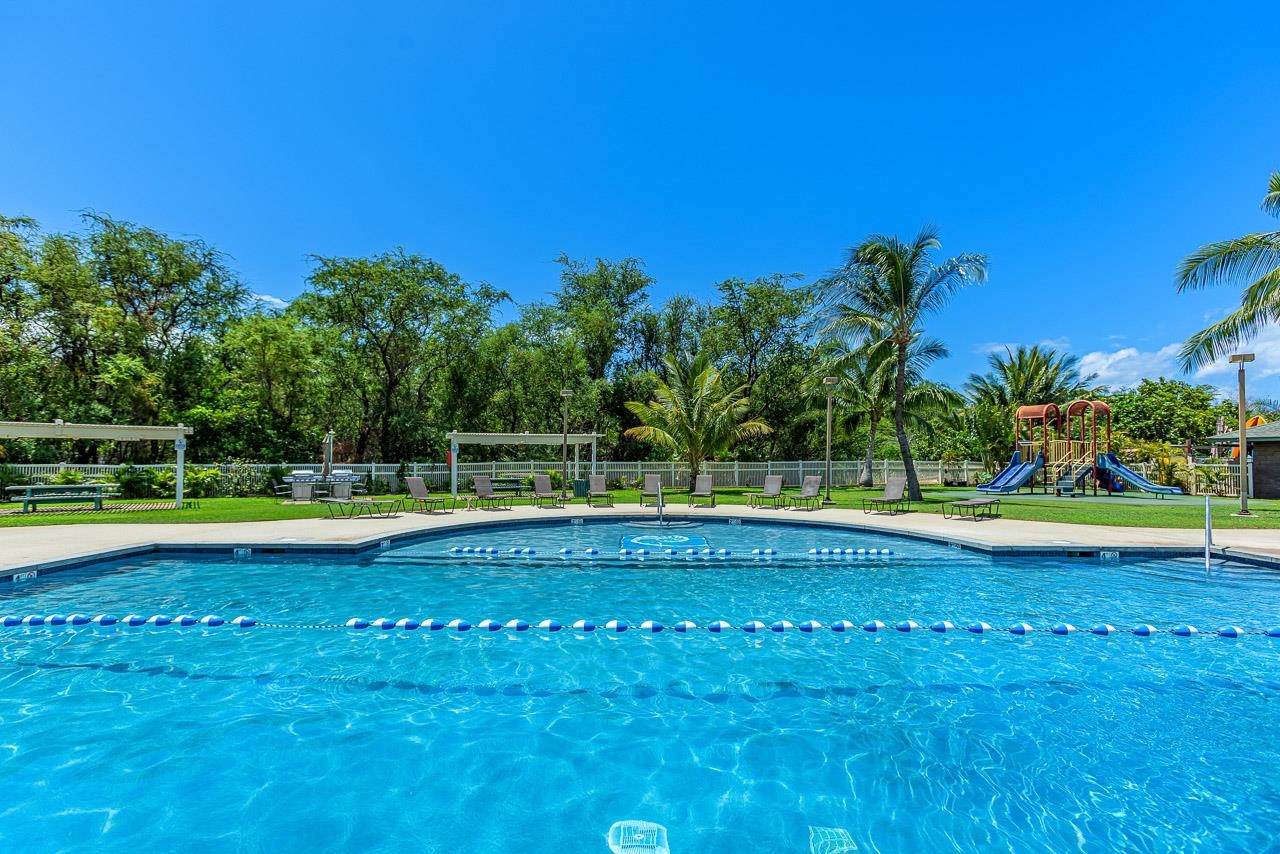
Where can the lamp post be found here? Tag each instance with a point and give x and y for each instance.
(1242, 359)
(565, 394)
(830, 383)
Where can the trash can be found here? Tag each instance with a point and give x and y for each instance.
(580, 488)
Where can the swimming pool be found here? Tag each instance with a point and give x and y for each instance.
(511, 740)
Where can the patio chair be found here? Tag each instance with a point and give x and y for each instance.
(894, 498)
(771, 493)
(281, 489)
(810, 493)
(419, 496)
(598, 490)
(484, 494)
(543, 493)
(652, 487)
(702, 489)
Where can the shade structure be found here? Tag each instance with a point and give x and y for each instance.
(60, 429)
(458, 438)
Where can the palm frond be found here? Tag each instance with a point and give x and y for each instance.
(1271, 201)
(1229, 261)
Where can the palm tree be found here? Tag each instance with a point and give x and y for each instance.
(883, 292)
(693, 414)
(1028, 375)
(1254, 258)
(865, 390)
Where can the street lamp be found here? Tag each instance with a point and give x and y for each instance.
(1242, 359)
(830, 383)
(565, 394)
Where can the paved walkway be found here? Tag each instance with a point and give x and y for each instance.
(48, 546)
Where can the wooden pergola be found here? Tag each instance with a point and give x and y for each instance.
(61, 430)
(574, 440)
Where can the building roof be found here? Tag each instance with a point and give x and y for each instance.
(1261, 433)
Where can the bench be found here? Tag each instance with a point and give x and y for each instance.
(72, 493)
(350, 508)
(975, 508)
(509, 484)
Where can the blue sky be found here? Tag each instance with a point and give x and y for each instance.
(1085, 149)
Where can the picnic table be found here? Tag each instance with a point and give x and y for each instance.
(975, 508)
(33, 495)
(508, 484)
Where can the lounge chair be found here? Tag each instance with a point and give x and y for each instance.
(484, 494)
(772, 492)
(542, 492)
(702, 489)
(894, 498)
(598, 490)
(810, 493)
(419, 496)
(652, 487)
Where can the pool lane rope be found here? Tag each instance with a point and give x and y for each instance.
(669, 552)
(681, 627)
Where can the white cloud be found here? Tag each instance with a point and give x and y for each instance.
(274, 302)
(1266, 347)
(1123, 368)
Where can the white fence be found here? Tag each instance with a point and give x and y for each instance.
(1213, 478)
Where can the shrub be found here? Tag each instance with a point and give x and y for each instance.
(9, 476)
(241, 479)
(67, 476)
(135, 482)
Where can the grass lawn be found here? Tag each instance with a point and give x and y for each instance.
(1130, 511)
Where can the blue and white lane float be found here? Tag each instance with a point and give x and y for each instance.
(618, 626)
(565, 552)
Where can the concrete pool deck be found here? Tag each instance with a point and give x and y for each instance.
(46, 548)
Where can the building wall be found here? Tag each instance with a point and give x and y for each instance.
(1266, 470)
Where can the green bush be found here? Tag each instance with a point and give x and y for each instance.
(135, 482)
(241, 479)
(67, 476)
(9, 476)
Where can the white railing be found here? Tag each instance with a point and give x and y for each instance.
(1204, 478)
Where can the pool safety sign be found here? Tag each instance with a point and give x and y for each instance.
(664, 541)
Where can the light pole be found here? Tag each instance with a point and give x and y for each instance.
(1242, 359)
(565, 394)
(830, 383)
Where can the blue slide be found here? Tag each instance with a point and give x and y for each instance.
(1110, 464)
(1015, 476)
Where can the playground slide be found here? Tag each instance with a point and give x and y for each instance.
(1132, 479)
(1015, 463)
(1020, 476)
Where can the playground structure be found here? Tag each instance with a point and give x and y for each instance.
(1065, 449)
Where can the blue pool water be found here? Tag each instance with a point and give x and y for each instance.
(319, 739)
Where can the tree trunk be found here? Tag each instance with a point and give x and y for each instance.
(904, 444)
(868, 464)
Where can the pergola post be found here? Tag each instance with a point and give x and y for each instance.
(180, 445)
(453, 468)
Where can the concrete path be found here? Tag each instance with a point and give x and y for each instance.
(48, 547)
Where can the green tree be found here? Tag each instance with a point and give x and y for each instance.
(883, 292)
(599, 302)
(865, 392)
(403, 320)
(1026, 376)
(1169, 411)
(1253, 260)
(693, 413)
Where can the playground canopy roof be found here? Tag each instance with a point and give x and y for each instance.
(1261, 433)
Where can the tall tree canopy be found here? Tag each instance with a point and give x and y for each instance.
(883, 292)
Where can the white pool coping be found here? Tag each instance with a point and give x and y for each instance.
(45, 548)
